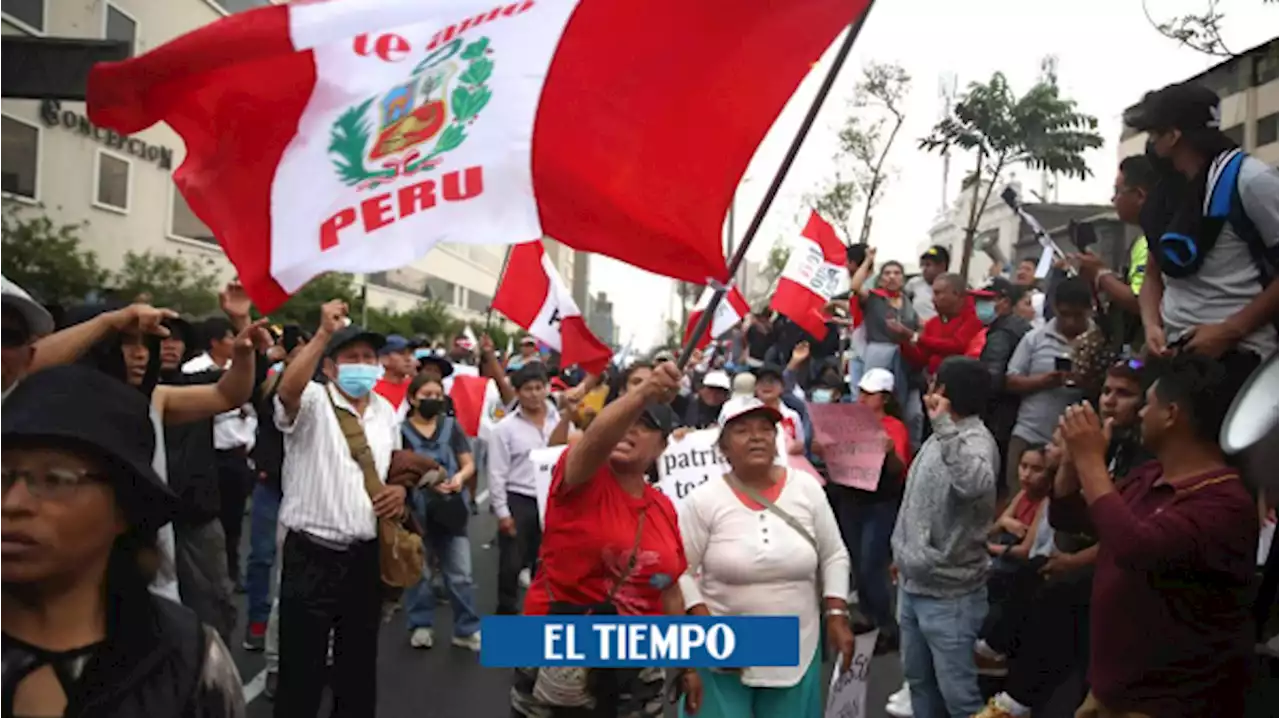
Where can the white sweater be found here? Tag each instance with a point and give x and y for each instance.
(744, 562)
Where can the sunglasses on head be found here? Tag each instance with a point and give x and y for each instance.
(12, 337)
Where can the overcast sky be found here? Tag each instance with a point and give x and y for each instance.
(1108, 55)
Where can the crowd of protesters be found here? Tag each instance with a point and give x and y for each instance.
(1053, 508)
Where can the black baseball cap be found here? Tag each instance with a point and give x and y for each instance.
(353, 333)
(768, 370)
(659, 416)
(1184, 106)
(444, 366)
(937, 253)
(995, 288)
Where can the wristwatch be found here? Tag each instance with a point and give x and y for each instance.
(838, 612)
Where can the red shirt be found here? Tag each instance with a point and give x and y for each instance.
(589, 535)
(1171, 624)
(392, 391)
(941, 339)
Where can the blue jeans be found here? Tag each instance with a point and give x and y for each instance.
(937, 652)
(871, 532)
(455, 561)
(262, 551)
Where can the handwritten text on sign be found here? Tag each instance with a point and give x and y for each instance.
(848, 695)
(852, 442)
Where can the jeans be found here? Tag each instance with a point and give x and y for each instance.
(262, 550)
(937, 652)
(454, 553)
(867, 529)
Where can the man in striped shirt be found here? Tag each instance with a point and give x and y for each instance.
(330, 578)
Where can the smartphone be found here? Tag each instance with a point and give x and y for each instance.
(292, 337)
(1083, 235)
(1062, 364)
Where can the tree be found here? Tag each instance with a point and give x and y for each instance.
(178, 283)
(1199, 31)
(1040, 130)
(46, 259)
(303, 308)
(865, 139)
(688, 294)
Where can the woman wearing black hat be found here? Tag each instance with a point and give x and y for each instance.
(82, 635)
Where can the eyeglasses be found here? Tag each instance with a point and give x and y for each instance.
(54, 483)
(12, 337)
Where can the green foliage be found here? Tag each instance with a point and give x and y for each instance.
(303, 308)
(185, 285)
(876, 115)
(1041, 130)
(46, 259)
(779, 253)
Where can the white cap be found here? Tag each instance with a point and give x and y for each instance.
(717, 380)
(740, 405)
(744, 384)
(38, 319)
(875, 381)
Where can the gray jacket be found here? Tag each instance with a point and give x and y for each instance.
(940, 540)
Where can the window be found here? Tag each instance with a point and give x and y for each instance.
(441, 290)
(1267, 130)
(1236, 133)
(230, 6)
(19, 158)
(29, 14)
(185, 223)
(112, 182)
(1265, 67)
(119, 25)
(478, 302)
(1224, 80)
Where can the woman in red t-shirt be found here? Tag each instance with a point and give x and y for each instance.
(611, 542)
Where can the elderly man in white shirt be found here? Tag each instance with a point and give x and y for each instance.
(330, 578)
(764, 542)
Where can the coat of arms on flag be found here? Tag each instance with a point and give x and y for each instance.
(444, 95)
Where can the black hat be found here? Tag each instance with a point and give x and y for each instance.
(444, 365)
(995, 288)
(353, 333)
(659, 416)
(182, 329)
(1184, 106)
(937, 253)
(77, 405)
(767, 370)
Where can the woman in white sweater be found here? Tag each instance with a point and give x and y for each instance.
(763, 542)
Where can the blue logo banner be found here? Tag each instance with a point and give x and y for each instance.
(639, 641)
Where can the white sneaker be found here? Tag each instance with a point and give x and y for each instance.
(1270, 649)
(900, 704)
(471, 642)
(525, 578)
(422, 638)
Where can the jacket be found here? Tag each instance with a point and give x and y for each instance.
(1002, 339)
(941, 339)
(190, 458)
(157, 660)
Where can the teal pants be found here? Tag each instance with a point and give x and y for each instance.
(724, 696)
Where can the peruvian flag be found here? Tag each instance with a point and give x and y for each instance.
(355, 135)
(811, 276)
(532, 295)
(732, 309)
(467, 393)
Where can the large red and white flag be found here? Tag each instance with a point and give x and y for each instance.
(732, 309)
(811, 277)
(355, 135)
(532, 295)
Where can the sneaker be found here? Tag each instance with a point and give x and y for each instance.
(255, 637)
(991, 667)
(1270, 649)
(899, 705)
(422, 638)
(993, 710)
(525, 578)
(269, 690)
(471, 642)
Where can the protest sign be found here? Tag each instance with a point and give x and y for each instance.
(847, 697)
(853, 443)
(544, 460)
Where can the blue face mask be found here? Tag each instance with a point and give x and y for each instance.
(357, 380)
(822, 396)
(421, 354)
(986, 311)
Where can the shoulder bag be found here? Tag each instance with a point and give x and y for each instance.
(400, 552)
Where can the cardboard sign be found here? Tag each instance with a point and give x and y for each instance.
(853, 443)
(847, 697)
(544, 460)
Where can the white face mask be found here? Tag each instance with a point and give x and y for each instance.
(822, 396)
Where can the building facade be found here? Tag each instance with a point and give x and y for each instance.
(120, 188)
(1250, 90)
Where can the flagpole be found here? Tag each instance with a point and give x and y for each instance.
(708, 314)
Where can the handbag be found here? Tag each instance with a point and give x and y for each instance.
(572, 686)
(401, 555)
(445, 514)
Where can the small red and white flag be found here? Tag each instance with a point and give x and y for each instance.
(812, 276)
(355, 135)
(730, 312)
(532, 295)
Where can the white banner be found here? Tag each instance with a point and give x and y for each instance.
(848, 695)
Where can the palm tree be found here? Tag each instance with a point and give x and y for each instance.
(1040, 130)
